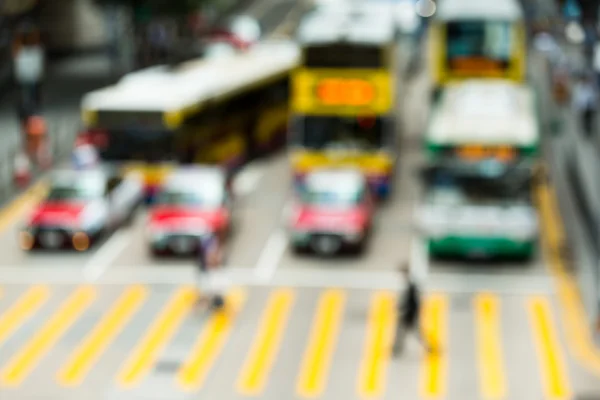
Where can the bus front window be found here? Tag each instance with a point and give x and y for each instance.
(473, 39)
(322, 133)
(138, 145)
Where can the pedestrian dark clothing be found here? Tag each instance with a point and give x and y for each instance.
(410, 306)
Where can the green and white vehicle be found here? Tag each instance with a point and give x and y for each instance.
(481, 210)
(482, 144)
(479, 119)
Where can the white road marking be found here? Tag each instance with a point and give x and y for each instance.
(419, 259)
(101, 260)
(269, 258)
(248, 179)
(177, 274)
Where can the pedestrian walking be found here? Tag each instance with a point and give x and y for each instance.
(209, 258)
(585, 101)
(29, 60)
(408, 318)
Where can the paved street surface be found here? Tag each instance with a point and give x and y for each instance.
(114, 323)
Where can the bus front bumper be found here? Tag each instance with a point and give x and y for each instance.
(480, 247)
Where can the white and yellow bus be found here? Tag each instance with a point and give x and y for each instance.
(344, 94)
(478, 39)
(221, 111)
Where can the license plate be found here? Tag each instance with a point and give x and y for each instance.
(182, 245)
(52, 240)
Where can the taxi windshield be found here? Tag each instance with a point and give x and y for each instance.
(78, 192)
(330, 198)
(191, 198)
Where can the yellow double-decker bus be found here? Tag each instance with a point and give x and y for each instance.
(343, 94)
(478, 39)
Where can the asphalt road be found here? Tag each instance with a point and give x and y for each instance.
(115, 323)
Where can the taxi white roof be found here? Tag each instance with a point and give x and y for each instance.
(357, 24)
(163, 89)
(205, 176)
(346, 180)
(485, 112)
(449, 10)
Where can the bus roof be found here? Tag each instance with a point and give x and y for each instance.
(484, 113)
(355, 24)
(451, 10)
(191, 84)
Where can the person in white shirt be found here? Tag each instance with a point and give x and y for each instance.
(585, 102)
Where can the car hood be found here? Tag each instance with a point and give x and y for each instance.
(330, 219)
(58, 213)
(175, 218)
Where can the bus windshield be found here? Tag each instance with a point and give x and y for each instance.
(138, 145)
(455, 188)
(479, 39)
(323, 133)
(344, 56)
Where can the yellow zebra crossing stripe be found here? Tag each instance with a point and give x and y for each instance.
(255, 372)
(380, 328)
(319, 352)
(27, 305)
(555, 378)
(158, 335)
(434, 367)
(28, 357)
(489, 350)
(100, 338)
(210, 343)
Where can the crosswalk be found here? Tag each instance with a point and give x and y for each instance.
(320, 338)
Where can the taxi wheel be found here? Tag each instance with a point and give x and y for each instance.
(299, 250)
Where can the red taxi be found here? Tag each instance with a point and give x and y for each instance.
(81, 206)
(332, 211)
(192, 203)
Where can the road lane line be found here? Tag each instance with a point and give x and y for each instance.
(27, 305)
(30, 355)
(419, 258)
(99, 339)
(192, 374)
(267, 341)
(269, 258)
(321, 346)
(102, 259)
(555, 378)
(373, 369)
(157, 336)
(575, 319)
(17, 208)
(489, 346)
(248, 179)
(434, 369)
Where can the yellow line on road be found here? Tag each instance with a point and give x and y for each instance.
(489, 346)
(319, 352)
(435, 324)
(192, 374)
(575, 320)
(24, 308)
(103, 334)
(157, 336)
(373, 369)
(253, 378)
(16, 209)
(554, 373)
(26, 359)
